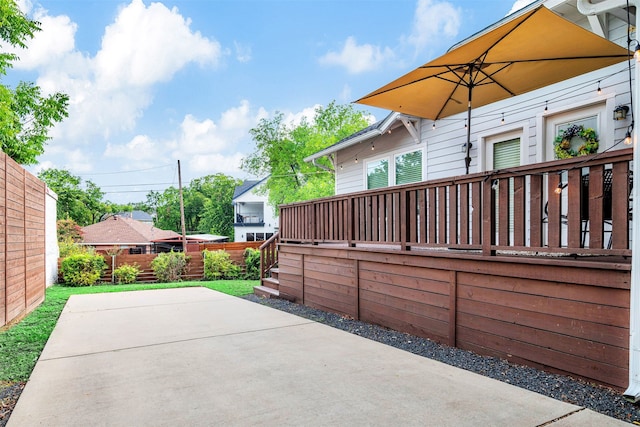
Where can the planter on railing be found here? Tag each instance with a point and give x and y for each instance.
(576, 206)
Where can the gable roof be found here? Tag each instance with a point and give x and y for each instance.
(246, 186)
(372, 131)
(119, 230)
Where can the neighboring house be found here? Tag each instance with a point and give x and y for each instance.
(526, 257)
(255, 219)
(124, 233)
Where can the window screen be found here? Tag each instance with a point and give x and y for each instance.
(409, 167)
(377, 174)
(506, 154)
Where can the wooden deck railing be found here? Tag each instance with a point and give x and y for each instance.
(268, 255)
(577, 206)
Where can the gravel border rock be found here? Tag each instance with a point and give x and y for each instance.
(9, 394)
(597, 398)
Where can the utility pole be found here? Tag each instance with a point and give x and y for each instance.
(184, 233)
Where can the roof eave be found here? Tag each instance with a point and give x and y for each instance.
(384, 126)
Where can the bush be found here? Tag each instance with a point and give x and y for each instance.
(252, 263)
(82, 269)
(170, 266)
(218, 266)
(126, 273)
(68, 247)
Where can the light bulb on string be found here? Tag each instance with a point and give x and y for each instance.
(599, 89)
(502, 121)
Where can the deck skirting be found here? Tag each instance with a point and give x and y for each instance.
(569, 316)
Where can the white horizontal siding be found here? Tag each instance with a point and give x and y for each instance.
(444, 156)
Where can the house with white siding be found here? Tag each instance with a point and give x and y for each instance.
(507, 230)
(255, 219)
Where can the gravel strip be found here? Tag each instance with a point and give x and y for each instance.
(9, 394)
(599, 399)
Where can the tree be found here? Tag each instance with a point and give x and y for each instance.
(26, 115)
(207, 206)
(84, 206)
(281, 148)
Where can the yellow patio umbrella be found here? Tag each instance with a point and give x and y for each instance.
(527, 52)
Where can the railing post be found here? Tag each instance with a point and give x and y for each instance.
(403, 220)
(488, 218)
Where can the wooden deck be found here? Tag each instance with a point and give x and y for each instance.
(499, 263)
(560, 314)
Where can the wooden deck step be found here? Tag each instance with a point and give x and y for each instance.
(263, 291)
(275, 272)
(270, 282)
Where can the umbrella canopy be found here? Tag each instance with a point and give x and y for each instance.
(530, 51)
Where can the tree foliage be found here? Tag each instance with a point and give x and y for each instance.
(82, 205)
(26, 115)
(207, 205)
(281, 148)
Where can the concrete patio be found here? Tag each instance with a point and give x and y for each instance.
(193, 356)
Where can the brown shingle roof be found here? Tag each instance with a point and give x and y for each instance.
(121, 230)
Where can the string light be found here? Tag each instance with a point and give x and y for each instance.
(465, 123)
(434, 125)
(627, 138)
(356, 160)
(558, 190)
(373, 147)
(599, 89)
(502, 121)
(341, 167)
(546, 105)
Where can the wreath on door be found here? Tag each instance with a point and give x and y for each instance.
(562, 144)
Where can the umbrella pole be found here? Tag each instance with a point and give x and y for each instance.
(467, 159)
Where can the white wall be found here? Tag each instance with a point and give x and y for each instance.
(525, 115)
(270, 218)
(51, 238)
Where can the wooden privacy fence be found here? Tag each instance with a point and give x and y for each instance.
(195, 266)
(578, 206)
(22, 241)
(567, 316)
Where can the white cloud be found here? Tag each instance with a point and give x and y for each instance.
(215, 163)
(139, 148)
(147, 45)
(243, 52)
(358, 58)
(519, 4)
(109, 92)
(346, 95)
(50, 45)
(433, 20)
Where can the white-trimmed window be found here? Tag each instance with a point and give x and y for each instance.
(401, 168)
(588, 117)
(408, 167)
(377, 174)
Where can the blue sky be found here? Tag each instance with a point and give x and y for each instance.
(151, 83)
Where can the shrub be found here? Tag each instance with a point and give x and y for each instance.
(170, 266)
(68, 247)
(126, 273)
(218, 266)
(252, 263)
(82, 269)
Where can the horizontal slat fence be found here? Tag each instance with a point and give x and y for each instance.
(22, 241)
(196, 265)
(579, 206)
(567, 316)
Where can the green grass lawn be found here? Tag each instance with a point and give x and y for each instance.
(22, 343)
